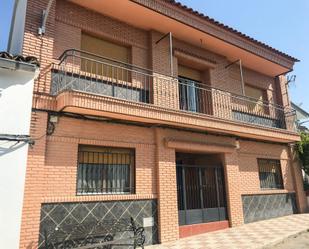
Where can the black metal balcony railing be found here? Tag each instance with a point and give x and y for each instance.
(85, 72)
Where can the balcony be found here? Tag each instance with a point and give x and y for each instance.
(102, 79)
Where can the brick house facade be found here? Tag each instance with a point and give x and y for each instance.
(165, 126)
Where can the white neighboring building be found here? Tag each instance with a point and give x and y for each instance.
(302, 117)
(16, 89)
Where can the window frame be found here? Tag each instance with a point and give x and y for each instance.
(106, 41)
(188, 87)
(131, 176)
(260, 107)
(278, 174)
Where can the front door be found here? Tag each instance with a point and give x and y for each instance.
(201, 194)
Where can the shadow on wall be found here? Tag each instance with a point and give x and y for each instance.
(19, 78)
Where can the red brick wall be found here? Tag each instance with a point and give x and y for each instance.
(248, 165)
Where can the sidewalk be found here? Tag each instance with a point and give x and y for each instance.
(262, 234)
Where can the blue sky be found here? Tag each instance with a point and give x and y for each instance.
(6, 9)
(283, 24)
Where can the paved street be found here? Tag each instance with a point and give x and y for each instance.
(262, 234)
(300, 241)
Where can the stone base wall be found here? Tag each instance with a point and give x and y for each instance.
(66, 218)
(262, 207)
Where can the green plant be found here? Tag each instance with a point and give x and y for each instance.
(303, 151)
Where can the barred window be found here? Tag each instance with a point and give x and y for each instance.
(105, 170)
(270, 174)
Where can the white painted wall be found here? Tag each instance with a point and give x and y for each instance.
(16, 88)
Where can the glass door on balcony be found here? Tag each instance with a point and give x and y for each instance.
(189, 80)
(187, 94)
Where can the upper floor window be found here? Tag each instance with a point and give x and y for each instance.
(104, 48)
(270, 174)
(260, 97)
(255, 93)
(107, 49)
(105, 170)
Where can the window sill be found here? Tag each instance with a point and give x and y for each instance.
(272, 189)
(268, 192)
(100, 197)
(99, 193)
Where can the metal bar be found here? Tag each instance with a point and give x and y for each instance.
(201, 187)
(242, 78)
(171, 53)
(217, 187)
(184, 189)
(104, 172)
(69, 52)
(162, 38)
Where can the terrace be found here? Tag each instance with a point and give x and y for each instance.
(104, 79)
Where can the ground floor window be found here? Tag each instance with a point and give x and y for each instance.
(105, 170)
(270, 174)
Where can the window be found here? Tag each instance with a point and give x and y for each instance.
(105, 170)
(259, 95)
(99, 47)
(104, 48)
(270, 174)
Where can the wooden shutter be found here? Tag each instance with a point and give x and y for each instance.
(255, 93)
(190, 73)
(98, 66)
(104, 48)
(258, 94)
